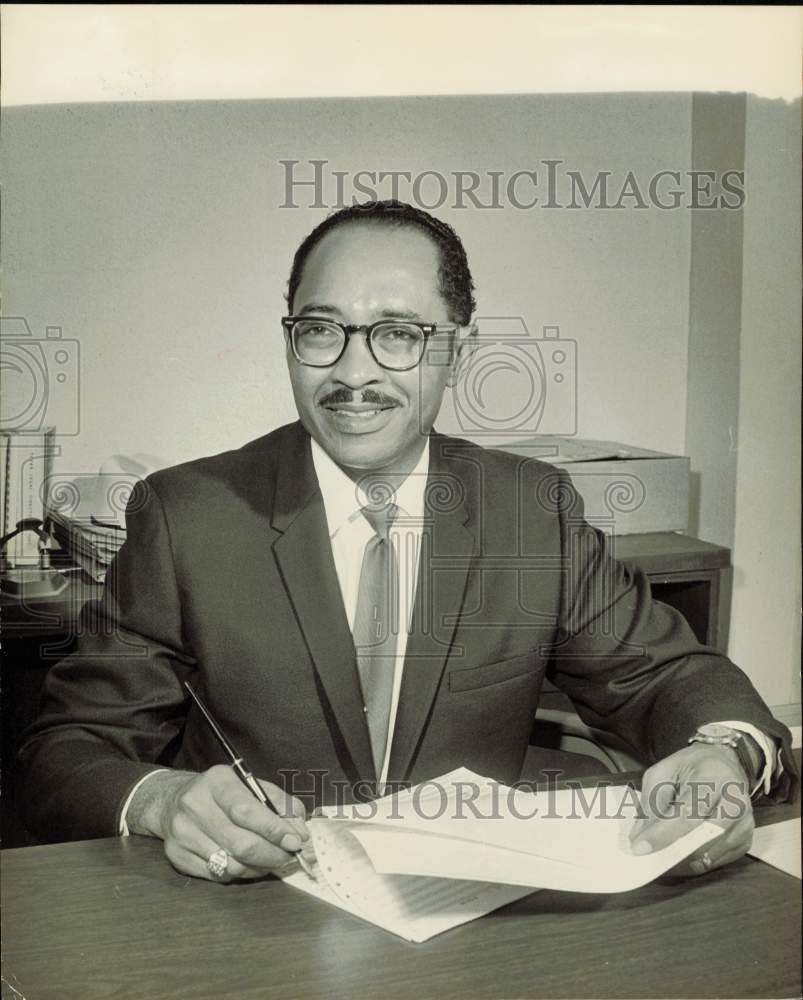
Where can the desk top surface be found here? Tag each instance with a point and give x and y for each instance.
(111, 918)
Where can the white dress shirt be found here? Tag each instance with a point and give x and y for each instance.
(349, 532)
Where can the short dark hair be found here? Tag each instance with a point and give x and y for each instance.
(454, 276)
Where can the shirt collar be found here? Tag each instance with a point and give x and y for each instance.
(342, 499)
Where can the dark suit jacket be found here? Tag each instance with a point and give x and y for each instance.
(227, 579)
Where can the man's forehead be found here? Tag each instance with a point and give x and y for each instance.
(384, 264)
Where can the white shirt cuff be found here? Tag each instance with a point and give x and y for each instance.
(768, 747)
(123, 830)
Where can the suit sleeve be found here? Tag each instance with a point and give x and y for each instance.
(632, 665)
(114, 709)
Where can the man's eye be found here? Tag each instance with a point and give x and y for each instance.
(317, 330)
(400, 334)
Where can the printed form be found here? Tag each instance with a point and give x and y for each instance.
(446, 852)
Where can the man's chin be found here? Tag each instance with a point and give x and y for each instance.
(362, 453)
(359, 453)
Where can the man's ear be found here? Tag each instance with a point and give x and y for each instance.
(466, 342)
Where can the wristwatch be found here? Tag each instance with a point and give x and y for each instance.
(724, 736)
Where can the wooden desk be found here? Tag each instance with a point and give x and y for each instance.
(37, 632)
(110, 918)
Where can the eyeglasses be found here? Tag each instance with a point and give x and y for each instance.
(394, 344)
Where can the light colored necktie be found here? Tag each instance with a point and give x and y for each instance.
(376, 627)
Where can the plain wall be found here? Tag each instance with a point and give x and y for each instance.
(715, 304)
(765, 629)
(152, 233)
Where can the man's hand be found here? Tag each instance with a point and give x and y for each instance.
(195, 814)
(700, 782)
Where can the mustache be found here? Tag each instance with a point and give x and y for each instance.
(344, 395)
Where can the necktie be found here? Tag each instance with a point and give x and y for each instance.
(376, 627)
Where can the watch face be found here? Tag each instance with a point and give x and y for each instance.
(715, 731)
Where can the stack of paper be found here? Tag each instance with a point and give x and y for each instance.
(449, 851)
(87, 512)
(92, 545)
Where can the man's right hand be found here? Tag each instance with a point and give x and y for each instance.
(195, 814)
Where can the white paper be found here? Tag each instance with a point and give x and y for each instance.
(451, 850)
(413, 908)
(779, 846)
(565, 840)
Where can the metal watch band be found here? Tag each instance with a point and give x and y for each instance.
(735, 740)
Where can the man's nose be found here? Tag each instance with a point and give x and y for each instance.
(357, 366)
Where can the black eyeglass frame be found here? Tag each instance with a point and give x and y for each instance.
(288, 322)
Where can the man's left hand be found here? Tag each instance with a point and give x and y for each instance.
(700, 782)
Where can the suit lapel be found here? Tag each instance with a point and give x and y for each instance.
(447, 549)
(303, 553)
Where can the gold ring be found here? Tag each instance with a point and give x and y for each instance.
(217, 863)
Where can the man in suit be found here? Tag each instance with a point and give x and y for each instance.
(361, 600)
